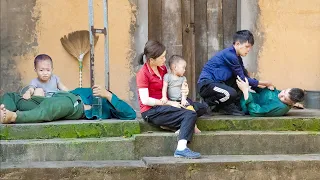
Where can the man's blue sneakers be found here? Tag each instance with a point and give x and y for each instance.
(187, 153)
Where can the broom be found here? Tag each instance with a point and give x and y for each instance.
(77, 44)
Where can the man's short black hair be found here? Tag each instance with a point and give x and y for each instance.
(296, 95)
(243, 36)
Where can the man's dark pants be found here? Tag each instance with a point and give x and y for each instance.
(219, 94)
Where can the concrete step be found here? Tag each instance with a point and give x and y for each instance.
(118, 128)
(87, 149)
(236, 123)
(222, 167)
(159, 144)
(70, 129)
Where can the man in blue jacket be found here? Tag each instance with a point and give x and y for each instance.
(217, 81)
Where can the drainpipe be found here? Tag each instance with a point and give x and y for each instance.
(92, 32)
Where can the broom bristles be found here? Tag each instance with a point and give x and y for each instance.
(77, 43)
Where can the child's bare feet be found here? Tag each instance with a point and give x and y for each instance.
(7, 116)
(196, 130)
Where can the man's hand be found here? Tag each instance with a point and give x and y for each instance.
(271, 88)
(97, 90)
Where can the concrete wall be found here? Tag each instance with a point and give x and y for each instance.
(30, 27)
(286, 51)
(287, 45)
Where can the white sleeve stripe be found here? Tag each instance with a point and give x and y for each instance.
(223, 91)
(144, 97)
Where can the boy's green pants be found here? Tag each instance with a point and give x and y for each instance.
(38, 109)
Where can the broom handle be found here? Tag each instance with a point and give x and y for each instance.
(80, 79)
(80, 73)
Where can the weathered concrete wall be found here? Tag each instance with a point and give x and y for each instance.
(30, 27)
(247, 19)
(18, 39)
(286, 50)
(289, 55)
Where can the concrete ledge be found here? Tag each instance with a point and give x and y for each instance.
(248, 167)
(70, 129)
(231, 143)
(286, 123)
(117, 128)
(159, 144)
(115, 148)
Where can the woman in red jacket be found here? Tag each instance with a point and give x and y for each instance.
(168, 114)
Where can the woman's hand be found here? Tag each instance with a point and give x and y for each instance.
(174, 104)
(164, 100)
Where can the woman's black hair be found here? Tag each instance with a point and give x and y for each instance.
(153, 49)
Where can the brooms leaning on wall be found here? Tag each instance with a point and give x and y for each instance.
(77, 44)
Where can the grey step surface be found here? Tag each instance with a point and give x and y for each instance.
(232, 123)
(221, 167)
(89, 149)
(117, 128)
(160, 144)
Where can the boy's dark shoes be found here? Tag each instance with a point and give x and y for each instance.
(232, 109)
(211, 110)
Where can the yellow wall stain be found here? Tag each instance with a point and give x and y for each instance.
(290, 54)
(60, 17)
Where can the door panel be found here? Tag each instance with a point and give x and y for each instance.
(195, 29)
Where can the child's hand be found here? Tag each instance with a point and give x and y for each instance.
(164, 100)
(26, 95)
(185, 89)
(184, 102)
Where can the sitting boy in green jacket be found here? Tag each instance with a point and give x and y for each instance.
(266, 102)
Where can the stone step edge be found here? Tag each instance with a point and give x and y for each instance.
(87, 128)
(146, 162)
(157, 134)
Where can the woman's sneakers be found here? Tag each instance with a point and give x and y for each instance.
(187, 153)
